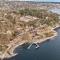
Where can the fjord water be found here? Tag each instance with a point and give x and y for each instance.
(49, 50)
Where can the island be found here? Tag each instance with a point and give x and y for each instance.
(26, 25)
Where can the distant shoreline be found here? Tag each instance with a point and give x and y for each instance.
(32, 1)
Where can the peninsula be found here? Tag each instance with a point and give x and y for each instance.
(25, 25)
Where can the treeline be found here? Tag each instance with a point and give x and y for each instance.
(32, 12)
(44, 16)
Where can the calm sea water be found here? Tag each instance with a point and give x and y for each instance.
(49, 50)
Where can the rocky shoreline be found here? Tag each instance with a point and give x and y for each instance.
(34, 41)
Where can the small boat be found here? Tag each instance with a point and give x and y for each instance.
(37, 46)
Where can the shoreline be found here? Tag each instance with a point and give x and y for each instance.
(45, 39)
(35, 41)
